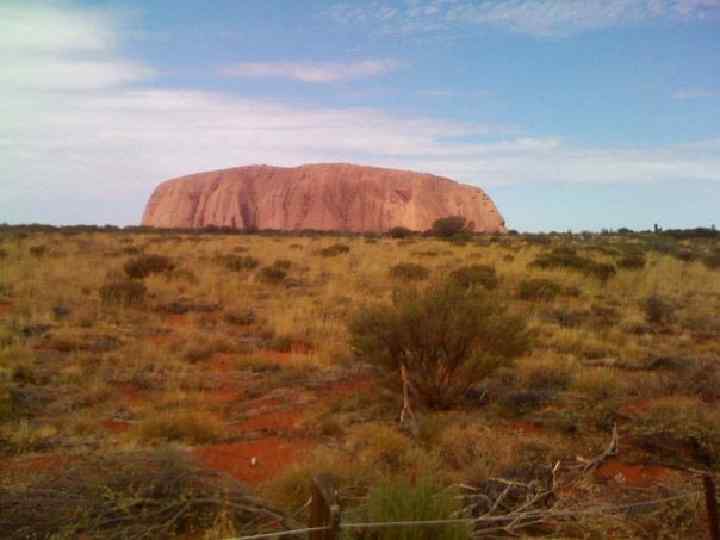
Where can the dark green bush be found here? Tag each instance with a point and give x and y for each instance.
(448, 226)
(335, 249)
(447, 337)
(399, 232)
(272, 274)
(410, 271)
(144, 265)
(538, 289)
(476, 274)
(238, 263)
(126, 292)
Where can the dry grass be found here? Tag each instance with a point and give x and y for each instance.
(69, 361)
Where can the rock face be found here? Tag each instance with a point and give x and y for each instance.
(333, 196)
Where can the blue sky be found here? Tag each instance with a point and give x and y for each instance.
(571, 114)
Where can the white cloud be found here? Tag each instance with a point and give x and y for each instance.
(31, 28)
(49, 47)
(543, 18)
(315, 72)
(110, 144)
(695, 93)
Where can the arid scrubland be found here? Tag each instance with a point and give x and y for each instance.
(192, 384)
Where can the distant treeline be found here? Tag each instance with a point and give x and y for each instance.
(396, 232)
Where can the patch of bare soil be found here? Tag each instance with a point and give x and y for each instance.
(638, 476)
(254, 462)
(5, 309)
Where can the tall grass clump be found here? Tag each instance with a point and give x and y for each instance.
(424, 501)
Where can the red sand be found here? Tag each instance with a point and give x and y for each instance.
(633, 475)
(116, 426)
(273, 455)
(286, 421)
(5, 309)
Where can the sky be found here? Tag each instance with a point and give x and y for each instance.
(571, 114)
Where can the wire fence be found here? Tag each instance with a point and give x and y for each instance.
(325, 520)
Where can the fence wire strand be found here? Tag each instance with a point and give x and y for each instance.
(538, 514)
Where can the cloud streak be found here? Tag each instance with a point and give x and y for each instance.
(312, 72)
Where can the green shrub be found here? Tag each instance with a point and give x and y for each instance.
(448, 338)
(335, 249)
(538, 289)
(422, 501)
(144, 265)
(448, 226)
(272, 274)
(127, 292)
(238, 263)
(476, 274)
(409, 271)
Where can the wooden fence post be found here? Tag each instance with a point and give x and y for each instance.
(711, 504)
(324, 508)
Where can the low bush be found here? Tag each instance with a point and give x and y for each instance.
(334, 250)
(658, 310)
(568, 258)
(409, 271)
(188, 426)
(448, 226)
(522, 402)
(399, 232)
(145, 265)
(476, 274)
(712, 261)
(238, 263)
(632, 262)
(149, 494)
(685, 255)
(283, 264)
(447, 338)
(272, 275)
(126, 292)
(240, 317)
(538, 289)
